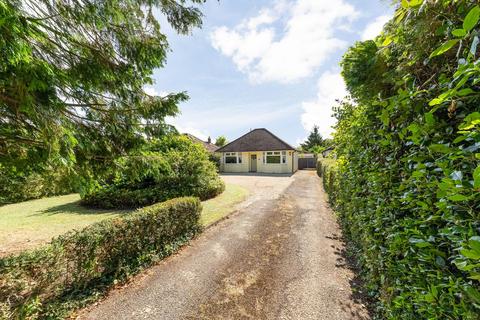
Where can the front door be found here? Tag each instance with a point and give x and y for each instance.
(253, 163)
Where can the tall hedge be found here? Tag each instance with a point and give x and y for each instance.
(48, 282)
(406, 183)
(17, 185)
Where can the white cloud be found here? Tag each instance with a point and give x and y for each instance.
(331, 87)
(373, 29)
(307, 39)
(150, 91)
(188, 128)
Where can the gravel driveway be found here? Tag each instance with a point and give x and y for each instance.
(278, 257)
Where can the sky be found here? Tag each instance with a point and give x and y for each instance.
(265, 64)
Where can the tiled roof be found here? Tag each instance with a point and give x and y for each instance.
(209, 146)
(256, 140)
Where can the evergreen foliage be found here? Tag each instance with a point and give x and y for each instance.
(314, 141)
(407, 180)
(72, 83)
(221, 141)
(170, 167)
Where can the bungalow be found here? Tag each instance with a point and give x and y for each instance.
(258, 151)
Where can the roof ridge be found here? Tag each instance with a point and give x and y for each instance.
(272, 135)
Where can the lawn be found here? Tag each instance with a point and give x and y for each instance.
(222, 205)
(28, 224)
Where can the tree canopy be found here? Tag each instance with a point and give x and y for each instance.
(221, 141)
(314, 140)
(73, 73)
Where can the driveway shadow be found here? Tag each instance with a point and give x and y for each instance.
(347, 260)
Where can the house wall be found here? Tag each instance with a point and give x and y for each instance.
(295, 161)
(245, 166)
(236, 167)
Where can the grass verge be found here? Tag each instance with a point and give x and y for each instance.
(222, 205)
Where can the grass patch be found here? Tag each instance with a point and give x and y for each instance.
(28, 224)
(222, 205)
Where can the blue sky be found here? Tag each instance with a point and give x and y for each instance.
(265, 63)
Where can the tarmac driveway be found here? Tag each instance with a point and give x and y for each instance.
(278, 257)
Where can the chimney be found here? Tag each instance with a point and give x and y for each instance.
(209, 140)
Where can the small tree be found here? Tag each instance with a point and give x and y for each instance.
(314, 140)
(221, 141)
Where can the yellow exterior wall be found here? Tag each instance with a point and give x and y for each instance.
(235, 167)
(245, 166)
(295, 162)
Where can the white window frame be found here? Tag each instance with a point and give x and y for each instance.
(272, 154)
(237, 155)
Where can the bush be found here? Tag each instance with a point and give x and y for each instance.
(50, 181)
(172, 167)
(407, 180)
(216, 160)
(47, 282)
(327, 170)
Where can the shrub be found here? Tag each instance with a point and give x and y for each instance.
(50, 181)
(216, 160)
(172, 167)
(407, 180)
(47, 282)
(327, 170)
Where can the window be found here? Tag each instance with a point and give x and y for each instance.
(231, 157)
(284, 157)
(273, 157)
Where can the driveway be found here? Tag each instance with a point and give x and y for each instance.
(279, 257)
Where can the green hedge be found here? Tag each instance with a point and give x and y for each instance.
(76, 267)
(327, 170)
(406, 183)
(17, 186)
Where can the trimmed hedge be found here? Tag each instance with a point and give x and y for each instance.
(406, 184)
(51, 181)
(75, 268)
(327, 170)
